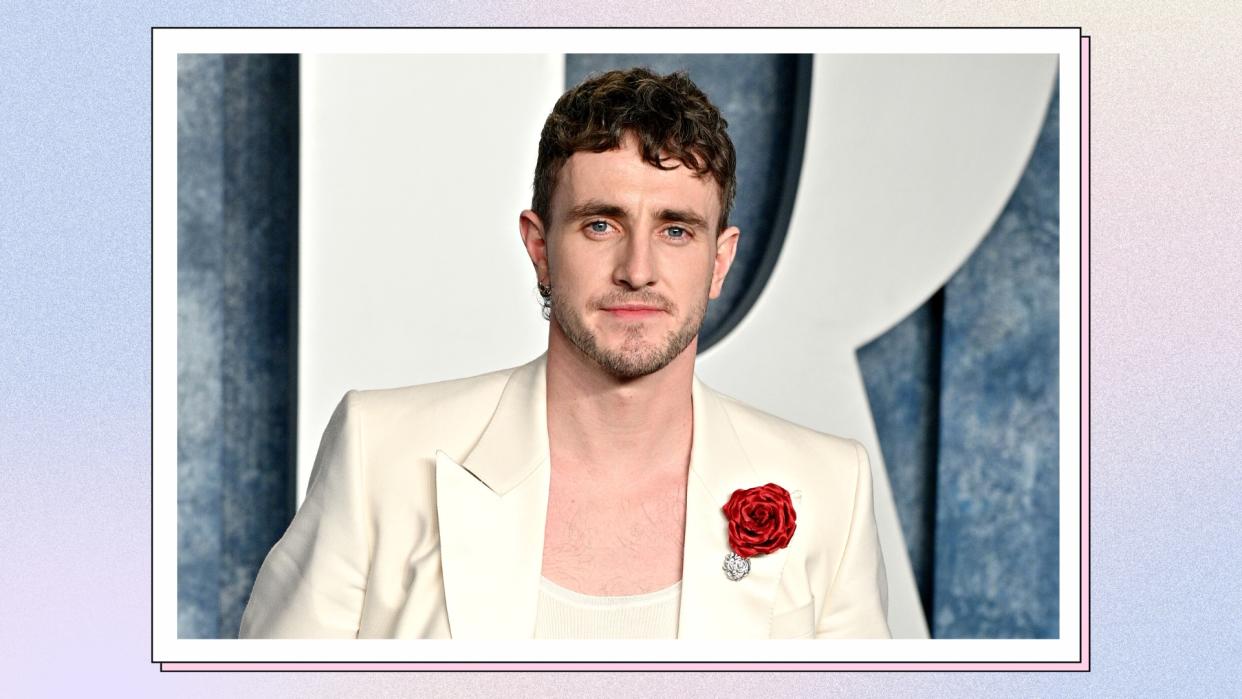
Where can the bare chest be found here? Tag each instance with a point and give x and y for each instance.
(614, 540)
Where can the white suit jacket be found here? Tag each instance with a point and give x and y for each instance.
(424, 518)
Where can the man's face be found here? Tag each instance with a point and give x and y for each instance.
(632, 258)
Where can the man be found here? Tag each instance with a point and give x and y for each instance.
(600, 491)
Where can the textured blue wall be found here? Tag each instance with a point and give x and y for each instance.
(997, 515)
(964, 393)
(901, 370)
(236, 298)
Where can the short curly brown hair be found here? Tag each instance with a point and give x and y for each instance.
(670, 116)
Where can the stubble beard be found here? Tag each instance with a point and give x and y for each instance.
(636, 357)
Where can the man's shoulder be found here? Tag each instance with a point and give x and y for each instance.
(435, 405)
(766, 436)
(435, 391)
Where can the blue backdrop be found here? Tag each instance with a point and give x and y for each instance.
(964, 391)
(237, 175)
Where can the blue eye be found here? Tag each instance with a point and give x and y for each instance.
(683, 231)
(599, 226)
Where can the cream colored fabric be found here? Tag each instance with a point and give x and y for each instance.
(565, 613)
(424, 518)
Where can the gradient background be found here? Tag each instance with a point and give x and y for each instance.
(75, 343)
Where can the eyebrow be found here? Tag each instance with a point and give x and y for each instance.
(595, 207)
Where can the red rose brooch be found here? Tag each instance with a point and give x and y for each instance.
(761, 520)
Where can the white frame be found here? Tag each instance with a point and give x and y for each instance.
(167, 43)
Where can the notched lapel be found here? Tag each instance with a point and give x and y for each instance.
(492, 508)
(712, 606)
(491, 580)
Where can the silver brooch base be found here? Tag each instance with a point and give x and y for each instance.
(736, 567)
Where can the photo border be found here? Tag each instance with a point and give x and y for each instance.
(171, 652)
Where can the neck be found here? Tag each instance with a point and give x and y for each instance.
(618, 430)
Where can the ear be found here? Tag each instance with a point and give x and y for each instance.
(535, 241)
(726, 248)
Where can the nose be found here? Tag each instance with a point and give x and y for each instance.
(636, 266)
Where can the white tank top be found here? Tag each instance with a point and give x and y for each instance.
(564, 613)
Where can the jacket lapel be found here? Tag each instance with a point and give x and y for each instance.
(492, 508)
(712, 606)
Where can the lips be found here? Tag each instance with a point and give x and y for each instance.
(633, 311)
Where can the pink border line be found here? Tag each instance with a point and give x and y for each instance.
(1085, 498)
(620, 666)
(1085, 348)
